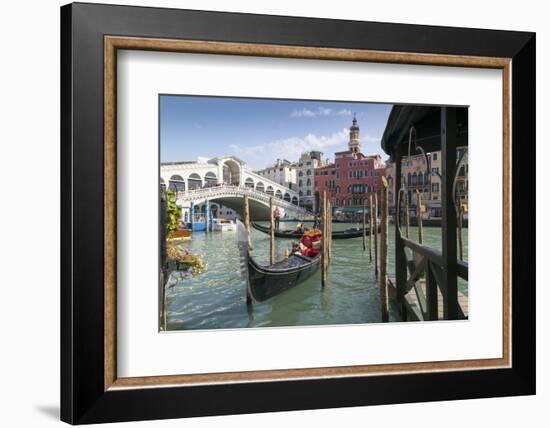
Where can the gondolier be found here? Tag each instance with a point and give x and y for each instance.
(277, 215)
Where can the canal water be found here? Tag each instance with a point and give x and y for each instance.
(216, 298)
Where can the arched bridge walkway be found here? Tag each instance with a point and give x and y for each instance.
(232, 197)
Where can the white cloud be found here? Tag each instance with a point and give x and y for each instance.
(319, 111)
(261, 155)
(303, 113)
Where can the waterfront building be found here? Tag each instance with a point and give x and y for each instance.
(305, 171)
(352, 178)
(282, 172)
(414, 173)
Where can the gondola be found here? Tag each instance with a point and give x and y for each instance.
(294, 234)
(265, 282)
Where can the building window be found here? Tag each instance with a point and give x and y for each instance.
(300, 183)
(309, 193)
(435, 187)
(434, 156)
(308, 172)
(308, 182)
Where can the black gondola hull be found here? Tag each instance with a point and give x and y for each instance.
(265, 282)
(292, 234)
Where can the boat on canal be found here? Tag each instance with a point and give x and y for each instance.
(265, 282)
(223, 225)
(296, 234)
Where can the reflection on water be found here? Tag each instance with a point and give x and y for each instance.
(217, 297)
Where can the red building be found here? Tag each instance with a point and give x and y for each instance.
(352, 177)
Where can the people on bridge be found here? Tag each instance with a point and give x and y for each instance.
(277, 215)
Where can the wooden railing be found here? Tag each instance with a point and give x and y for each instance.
(424, 276)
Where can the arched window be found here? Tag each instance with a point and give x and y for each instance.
(308, 172)
(260, 187)
(269, 190)
(420, 179)
(300, 174)
(249, 183)
(210, 179)
(194, 181)
(308, 182)
(176, 183)
(287, 197)
(279, 194)
(300, 183)
(295, 200)
(414, 179)
(301, 193)
(308, 193)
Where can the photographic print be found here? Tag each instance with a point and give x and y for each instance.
(281, 213)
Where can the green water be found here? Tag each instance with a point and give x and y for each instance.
(217, 297)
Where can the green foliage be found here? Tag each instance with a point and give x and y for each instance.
(173, 212)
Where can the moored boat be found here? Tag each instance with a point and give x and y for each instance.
(265, 282)
(295, 234)
(223, 225)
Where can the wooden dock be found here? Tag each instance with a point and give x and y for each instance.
(413, 305)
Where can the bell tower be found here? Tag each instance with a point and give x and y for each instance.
(354, 144)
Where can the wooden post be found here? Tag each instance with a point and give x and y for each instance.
(246, 222)
(400, 257)
(329, 232)
(406, 212)
(383, 280)
(364, 224)
(371, 227)
(376, 234)
(459, 230)
(271, 233)
(448, 221)
(324, 241)
(419, 217)
(163, 272)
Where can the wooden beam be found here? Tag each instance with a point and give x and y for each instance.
(271, 233)
(448, 221)
(383, 280)
(400, 259)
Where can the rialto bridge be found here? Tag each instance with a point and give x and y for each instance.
(226, 180)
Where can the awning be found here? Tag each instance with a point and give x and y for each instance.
(427, 123)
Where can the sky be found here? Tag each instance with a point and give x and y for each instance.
(259, 131)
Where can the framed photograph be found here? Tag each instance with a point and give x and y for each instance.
(266, 213)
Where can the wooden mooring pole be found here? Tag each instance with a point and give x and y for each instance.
(329, 233)
(419, 217)
(246, 221)
(459, 230)
(383, 279)
(406, 209)
(271, 233)
(324, 241)
(371, 227)
(376, 234)
(364, 224)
